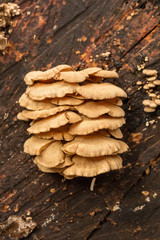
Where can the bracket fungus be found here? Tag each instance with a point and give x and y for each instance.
(76, 120)
(41, 91)
(152, 83)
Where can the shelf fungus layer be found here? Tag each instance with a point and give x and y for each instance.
(75, 120)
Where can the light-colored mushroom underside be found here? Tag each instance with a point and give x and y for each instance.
(90, 167)
(55, 121)
(88, 125)
(40, 91)
(94, 145)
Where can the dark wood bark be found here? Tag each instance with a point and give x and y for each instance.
(49, 33)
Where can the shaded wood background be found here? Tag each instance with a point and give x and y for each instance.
(51, 32)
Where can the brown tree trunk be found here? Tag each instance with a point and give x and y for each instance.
(77, 32)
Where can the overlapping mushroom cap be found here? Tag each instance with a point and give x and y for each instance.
(40, 91)
(60, 133)
(89, 125)
(76, 120)
(33, 76)
(90, 167)
(35, 145)
(55, 121)
(93, 109)
(94, 145)
(30, 104)
(69, 101)
(100, 91)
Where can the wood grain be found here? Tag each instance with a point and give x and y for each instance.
(46, 34)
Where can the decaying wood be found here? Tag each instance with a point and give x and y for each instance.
(79, 33)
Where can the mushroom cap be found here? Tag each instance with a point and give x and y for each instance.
(146, 102)
(100, 91)
(92, 70)
(151, 78)
(21, 117)
(106, 74)
(88, 125)
(72, 117)
(93, 109)
(59, 168)
(149, 72)
(149, 109)
(157, 101)
(90, 167)
(72, 76)
(116, 133)
(153, 104)
(33, 76)
(139, 82)
(94, 145)
(57, 134)
(156, 82)
(27, 102)
(152, 95)
(43, 113)
(40, 91)
(151, 85)
(51, 156)
(67, 101)
(146, 86)
(55, 121)
(35, 145)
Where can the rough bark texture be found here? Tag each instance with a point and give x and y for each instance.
(51, 32)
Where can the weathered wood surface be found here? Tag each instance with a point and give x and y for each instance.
(49, 33)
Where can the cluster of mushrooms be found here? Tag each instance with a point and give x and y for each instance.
(150, 105)
(76, 120)
(7, 11)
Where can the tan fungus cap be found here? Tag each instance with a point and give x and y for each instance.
(40, 91)
(93, 109)
(33, 76)
(72, 76)
(106, 74)
(55, 121)
(57, 134)
(92, 70)
(100, 91)
(59, 168)
(27, 102)
(157, 101)
(94, 145)
(88, 125)
(51, 156)
(149, 109)
(117, 133)
(21, 117)
(90, 167)
(149, 72)
(35, 145)
(43, 113)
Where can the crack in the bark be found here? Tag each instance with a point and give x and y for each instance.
(139, 41)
